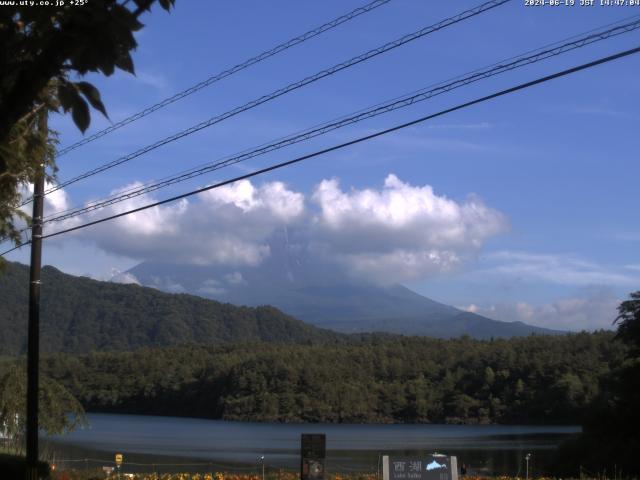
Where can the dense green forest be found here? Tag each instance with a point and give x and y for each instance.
(80, 315)
(537, 379)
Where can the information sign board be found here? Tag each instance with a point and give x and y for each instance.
(313, 450)
(426, 467)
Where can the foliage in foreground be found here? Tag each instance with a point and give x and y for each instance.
(45, 47)
(59, 411)
(611, 431)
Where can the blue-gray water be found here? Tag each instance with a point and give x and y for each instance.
(220, 445)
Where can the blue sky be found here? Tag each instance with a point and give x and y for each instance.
(554, 166)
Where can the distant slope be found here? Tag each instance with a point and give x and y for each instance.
(81, 315)
(295, 286)
(394, 309)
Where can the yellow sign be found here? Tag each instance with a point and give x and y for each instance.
(118, 459)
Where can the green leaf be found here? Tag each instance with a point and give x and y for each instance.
(167, 4)
(66, 95)
(142, 4)
(70, 99)
(80, 114)
(92, 94)
(124, 62)
(106, 67)
(126, 18)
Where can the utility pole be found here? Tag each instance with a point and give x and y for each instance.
(33, 342)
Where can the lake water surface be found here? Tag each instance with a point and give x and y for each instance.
(220, 445)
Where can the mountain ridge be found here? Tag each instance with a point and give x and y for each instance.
(328, 301)
(79, 314)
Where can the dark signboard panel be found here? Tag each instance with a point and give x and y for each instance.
(313, 450)
(426, 467)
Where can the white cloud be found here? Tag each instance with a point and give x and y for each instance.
(397, 266)
(396, 233)
(274, 197)
(234, 278)
(124, 277)
(167, 284)
(525, 311)
(228, 225)
(211, 287)
(159, 82)
(473, 308)
(558, 269)
(594, 309)
(400, 232)
(54, 202)
(174, 288)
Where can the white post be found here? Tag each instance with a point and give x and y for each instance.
(262, 460)
(453, 461)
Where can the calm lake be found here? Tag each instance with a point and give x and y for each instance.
(188, 444)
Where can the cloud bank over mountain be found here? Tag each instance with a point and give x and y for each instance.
(394, 233)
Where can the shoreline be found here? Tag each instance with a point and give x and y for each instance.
(576, 428)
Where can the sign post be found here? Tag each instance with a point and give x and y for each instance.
(313, 450)
(119, 459)
(427, 467)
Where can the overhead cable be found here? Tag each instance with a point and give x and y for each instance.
(512, 63)
(226, 73)
(293, 86)
(380, 133)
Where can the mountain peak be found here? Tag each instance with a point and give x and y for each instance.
(327, 300)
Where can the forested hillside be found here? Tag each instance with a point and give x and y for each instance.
(81, 315)
(538, 379)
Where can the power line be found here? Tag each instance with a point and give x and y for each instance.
(293, 86)
(15, 248)
(505, 65)
(226, 73)
(277, 166)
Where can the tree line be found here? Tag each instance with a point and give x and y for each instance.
(375, 378)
